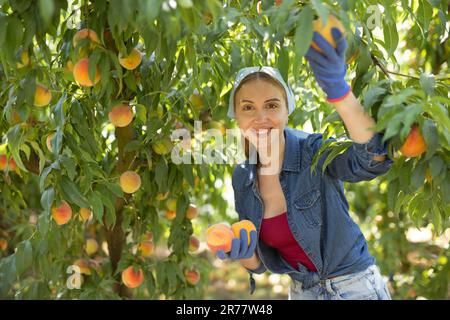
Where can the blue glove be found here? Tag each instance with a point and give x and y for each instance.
(239, 247)
(329, 67)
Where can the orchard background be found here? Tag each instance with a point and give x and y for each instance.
(60, 140)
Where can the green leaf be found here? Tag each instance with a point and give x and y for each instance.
(74, 194)
(141, 113)
(188, 174)
(46, 9)
(321, 9)
(436, 166)
(283, 63)
(418, 175)
(24, 257)
(47, 199)
(409, 116)
(161, 173)
(372, 95)
(59, 111)
(303, 32)
(439, 113)
(115, 188)
(390, 35)
(43, 177)
(431, 137)
(424, 14)
(428, 83)
(69, 165)
(97, 205)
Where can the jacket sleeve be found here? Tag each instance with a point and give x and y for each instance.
(356, 163)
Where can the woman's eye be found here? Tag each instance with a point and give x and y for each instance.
(273, 106)
(247, 107)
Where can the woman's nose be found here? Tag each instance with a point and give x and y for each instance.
(261, 115)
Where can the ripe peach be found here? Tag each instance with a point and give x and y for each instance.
(192, 276)
(325, 30)
(48, 141)
(132, 278)
(162, 196)
(91, 246)
(196, 100)
(414, 144)
(191, 211)
(42, 96)
(69, 65)
(207, 17)
(3, 244)
(171, 204)
(62, 213)
(3, 161)
(219, 237)
(162, 146)
(12, 164)
(83, 34)
(130, 181)
(85, 214)
(131, 61)
(146, 248)
(170, 215)
(194, 244)
(83, 265)
(121, 115)
(15, 117)
(243, 224)
(24, 60)
(81, 73)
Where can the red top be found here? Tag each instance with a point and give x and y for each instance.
(275, 232)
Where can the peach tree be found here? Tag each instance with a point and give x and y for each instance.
(91, 91)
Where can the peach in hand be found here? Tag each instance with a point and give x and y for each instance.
(219, 237)
(325, 30)
(243, 224)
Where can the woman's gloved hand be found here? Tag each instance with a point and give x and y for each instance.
(239, 247)
(329, 67)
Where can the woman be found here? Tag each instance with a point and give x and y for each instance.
(302, 221)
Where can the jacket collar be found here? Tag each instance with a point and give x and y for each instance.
(291, 161)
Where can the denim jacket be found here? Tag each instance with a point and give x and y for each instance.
(317, 210)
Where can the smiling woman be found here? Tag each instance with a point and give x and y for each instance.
(302, 228)
(257, 92)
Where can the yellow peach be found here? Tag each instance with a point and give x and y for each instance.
(130, 182)
(42, 96)
(121, 115)
(81, 73)
(62, 213)
(132, 60)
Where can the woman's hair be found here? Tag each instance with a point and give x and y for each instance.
(251, 77)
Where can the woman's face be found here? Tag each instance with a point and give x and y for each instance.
(261, 112)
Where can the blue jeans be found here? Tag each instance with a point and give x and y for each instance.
(364, 285)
